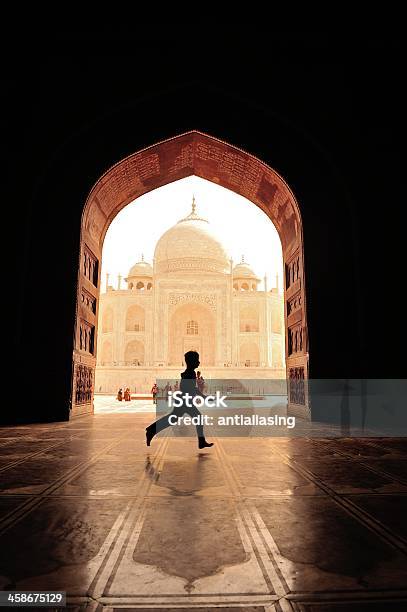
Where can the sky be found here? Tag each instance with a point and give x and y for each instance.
(241, 226)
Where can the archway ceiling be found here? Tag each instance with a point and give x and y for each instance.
(193, 153)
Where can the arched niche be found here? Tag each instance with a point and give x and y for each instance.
(192, 328)
(134, 353)
(135, 318)
(249, 354)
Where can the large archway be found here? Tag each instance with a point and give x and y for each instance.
(193, 153)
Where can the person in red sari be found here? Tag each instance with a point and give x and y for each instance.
(154, 391)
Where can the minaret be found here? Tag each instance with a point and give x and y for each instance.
(265, 283)
(277, 282)
(119, 281)
(107, 280)
(231, 306)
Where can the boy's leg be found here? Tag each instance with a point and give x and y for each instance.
(156, 427)
(193, 412)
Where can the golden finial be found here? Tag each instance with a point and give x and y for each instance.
(242, 259)
(193, 216)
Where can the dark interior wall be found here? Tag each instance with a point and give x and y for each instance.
(314, 112)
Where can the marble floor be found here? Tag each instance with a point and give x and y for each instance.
(270, 524)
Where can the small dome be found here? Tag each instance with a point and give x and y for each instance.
(243, 270)
(141, 268)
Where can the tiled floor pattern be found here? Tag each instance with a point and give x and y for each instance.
(252, 524)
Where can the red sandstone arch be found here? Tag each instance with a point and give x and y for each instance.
(193, 153)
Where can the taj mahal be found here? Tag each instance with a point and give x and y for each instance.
(191, 298)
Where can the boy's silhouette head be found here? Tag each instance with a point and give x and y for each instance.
(192, 359)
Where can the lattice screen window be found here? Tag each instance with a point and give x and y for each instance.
(192, 328)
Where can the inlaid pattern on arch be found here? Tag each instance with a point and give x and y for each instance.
(89, 301)
(295, 339)
(292, 271)
(294, 304)
(87, 337)
(297, 386)
(90, 266)
(83, 384)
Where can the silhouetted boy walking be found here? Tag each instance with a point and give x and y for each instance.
(188, 385)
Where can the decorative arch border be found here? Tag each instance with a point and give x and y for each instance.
(192, 153)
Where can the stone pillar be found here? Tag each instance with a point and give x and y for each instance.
(235, 331)
(229, 355)
(269, 353)
(117, 330)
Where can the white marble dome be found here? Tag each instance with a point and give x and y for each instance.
(141, 268)
(190, 245)
(243, 270)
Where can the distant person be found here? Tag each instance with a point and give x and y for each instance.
(127, 396)
(166, 389)
(154, 391)
(120, 394)
(188, 385)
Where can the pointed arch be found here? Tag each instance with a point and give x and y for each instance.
(196, 153)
